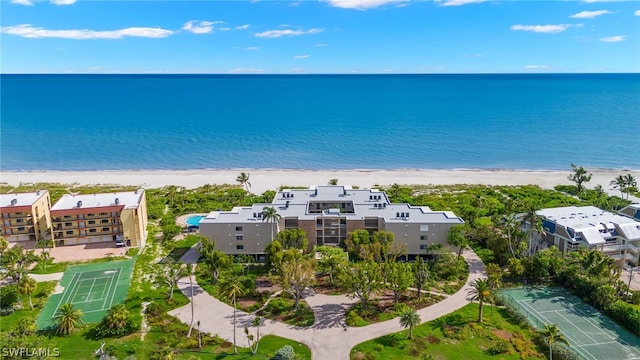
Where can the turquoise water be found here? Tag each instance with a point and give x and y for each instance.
(194, 220)
(132, 122)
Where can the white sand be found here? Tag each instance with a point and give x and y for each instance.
(262, 179)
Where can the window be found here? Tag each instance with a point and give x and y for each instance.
(106, 229)
(104, 214)
(424, 227)
(239, 247)
(67, 224)
(238, 228)
(423, 247)
(92, 230)
(104, 221)
(69, 232)
(19, 220)
(424, 237)
(91, 214)
(21, 228)
(239, 237)
(91, 222)
(67, 217)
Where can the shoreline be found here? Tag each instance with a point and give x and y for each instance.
(271, 179)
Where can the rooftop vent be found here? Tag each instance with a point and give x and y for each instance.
(117, 201)
(79, 203)
(14, 201)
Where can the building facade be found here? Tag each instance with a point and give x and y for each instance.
(25, 216)
(328, 214)
(571, 228)
(80, 219)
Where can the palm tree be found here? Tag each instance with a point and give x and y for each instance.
(552, 335)
(620, 182)
(631, 183)
(480, 291)
(27, 286)
(271, 215)
(118, 317)
(232, 289)
(410, 319)
(243, 179)
(66, 319)
(534, 225)
(189, 270)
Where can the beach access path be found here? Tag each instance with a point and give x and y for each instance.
(328, 337)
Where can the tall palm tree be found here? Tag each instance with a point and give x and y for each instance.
(232, 289)
(552, 335)
(27, 286)
(243, 179)
(66, 319)
(480, 291)
(271, 215)
(631, 183)
(620, 183)
(410, 319)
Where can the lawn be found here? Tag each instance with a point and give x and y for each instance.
(457, 336)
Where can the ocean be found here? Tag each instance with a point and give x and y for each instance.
(500, 121)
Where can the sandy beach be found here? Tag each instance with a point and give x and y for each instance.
(269, 179)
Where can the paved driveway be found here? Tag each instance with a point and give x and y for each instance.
(328, 338)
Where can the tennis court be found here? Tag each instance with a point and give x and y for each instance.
(590, 334)
(92, 288)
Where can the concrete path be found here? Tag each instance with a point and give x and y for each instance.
(47, 277)
(328, 338)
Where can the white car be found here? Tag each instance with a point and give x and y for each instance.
(119, 243)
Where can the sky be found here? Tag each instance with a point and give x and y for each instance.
(318, 37)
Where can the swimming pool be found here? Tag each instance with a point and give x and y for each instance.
(194, 221)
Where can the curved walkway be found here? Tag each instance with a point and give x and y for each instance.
(328, 338)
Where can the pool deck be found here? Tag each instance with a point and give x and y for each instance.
(182, 219)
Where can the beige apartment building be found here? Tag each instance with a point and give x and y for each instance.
(328, 214)
(118, 217)
(25, 216)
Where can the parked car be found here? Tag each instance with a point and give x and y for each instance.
(119, 243)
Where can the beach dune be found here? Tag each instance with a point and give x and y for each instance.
(271, 179)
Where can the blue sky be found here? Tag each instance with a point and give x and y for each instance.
(332, 36)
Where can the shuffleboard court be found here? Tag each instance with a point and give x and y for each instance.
(590, 334)
(92, 288)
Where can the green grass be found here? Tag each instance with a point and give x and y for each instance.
(39, 297)
(56, 267)
(456, 336)
(269, 344)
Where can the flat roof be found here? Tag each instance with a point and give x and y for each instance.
(130, 200)
(367, 203)
(21, 199)
(580, 217)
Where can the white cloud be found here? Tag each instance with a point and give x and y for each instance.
(537, 67)
(28, 31)
(458, 2)
(246, 71)
(224, 29)
(301, 56)
(617, 38)
(637, 13)
(252, 48)
(320, 45)
(200, 27)
(22, 2)
(597, 1)
(287, 32)
(361, 4)
(589, 14)
(63, 2)
(549, 29)
(242, 27)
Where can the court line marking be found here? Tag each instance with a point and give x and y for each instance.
(547, 321)
(602, 343)
(114, 289)
(73, 283)
(107, 288)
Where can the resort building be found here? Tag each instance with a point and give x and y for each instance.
(631, 211)
(25, 216)
(118, 217)
(571, 228)
(327, 214)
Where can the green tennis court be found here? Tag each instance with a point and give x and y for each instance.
(590, 334)
(92, 288)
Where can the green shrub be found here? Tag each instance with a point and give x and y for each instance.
(499, 347)
(353, 319)
(8, 296)
(378, 347)
(285, 353)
